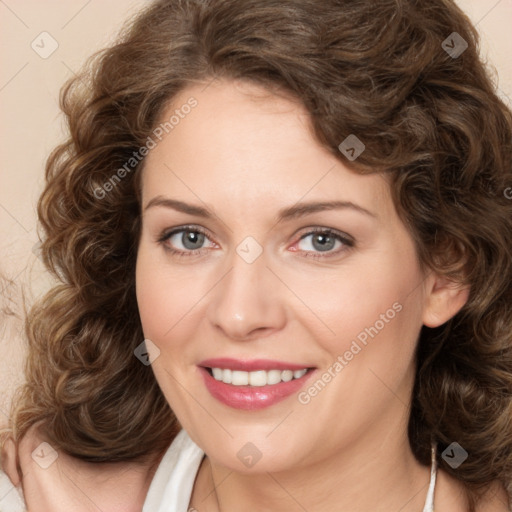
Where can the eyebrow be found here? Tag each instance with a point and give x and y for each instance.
(285, 214)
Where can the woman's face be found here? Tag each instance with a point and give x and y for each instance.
(270, 278)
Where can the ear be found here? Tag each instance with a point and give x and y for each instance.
(444, 299)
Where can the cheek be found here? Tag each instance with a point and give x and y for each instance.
(156, 299)
(368, 302)
(375, 316)
(149, 300)
(162, 302)
(169, 299)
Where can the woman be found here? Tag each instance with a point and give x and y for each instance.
(284, 242)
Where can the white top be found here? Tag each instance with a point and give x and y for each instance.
(171, 487)
(172, 484)
(11, 498)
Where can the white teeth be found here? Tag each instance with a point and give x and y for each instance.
(287, 375)
(273, 376)
(239, 378)
(256, 378)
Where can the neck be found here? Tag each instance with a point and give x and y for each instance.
(378, 472)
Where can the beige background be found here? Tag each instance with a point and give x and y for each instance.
(31, 125)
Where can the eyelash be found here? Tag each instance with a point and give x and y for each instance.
(348, 242)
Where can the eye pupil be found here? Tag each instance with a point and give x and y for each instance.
(326, 242)
(193, 237)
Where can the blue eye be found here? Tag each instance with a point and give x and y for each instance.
(322, 243)
(191, 239)
(322, 240)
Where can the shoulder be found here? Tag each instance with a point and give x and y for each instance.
(496, 499)
(450, 495)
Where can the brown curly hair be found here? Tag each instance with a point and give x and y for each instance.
(381, 70)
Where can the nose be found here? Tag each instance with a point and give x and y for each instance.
(248, 302)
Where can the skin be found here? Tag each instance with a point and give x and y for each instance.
(73, 484)
(244, 154)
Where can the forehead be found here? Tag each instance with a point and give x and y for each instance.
(243, 145)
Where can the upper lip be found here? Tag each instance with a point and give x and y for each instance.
(249, 365)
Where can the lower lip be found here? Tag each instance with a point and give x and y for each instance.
(252, 397)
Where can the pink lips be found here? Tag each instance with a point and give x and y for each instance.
(251, 397)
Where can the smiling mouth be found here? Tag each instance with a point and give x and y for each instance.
(256, 378)
(253, 384)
